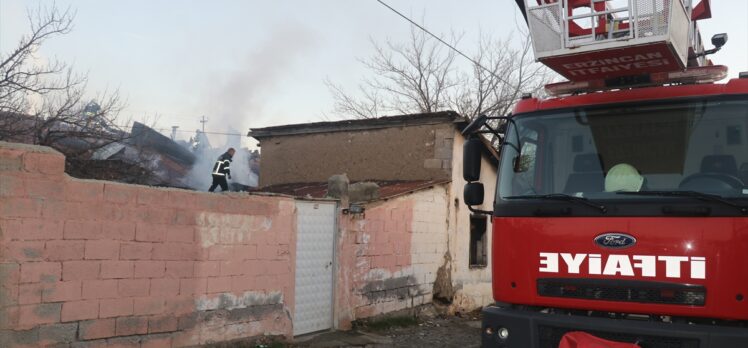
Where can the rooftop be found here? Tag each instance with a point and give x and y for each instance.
(363, 124)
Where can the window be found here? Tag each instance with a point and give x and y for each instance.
(524, 164)
(670, 146)
(577, 143)
(733, 135)
(478, 241)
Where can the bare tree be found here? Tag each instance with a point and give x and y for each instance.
(502, 74)
(45, 103)
(421, 76)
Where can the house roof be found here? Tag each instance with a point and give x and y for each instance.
(144, 136)
(387, 189)
(363, 124)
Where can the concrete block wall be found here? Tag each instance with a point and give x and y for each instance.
(90, 263)
(443, 145)
(389, 256)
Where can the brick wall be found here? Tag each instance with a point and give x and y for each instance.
(89, 263)
(390, 255)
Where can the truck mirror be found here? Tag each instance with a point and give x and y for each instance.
(719, 40)
(522, 163)
(502, 128)
(476, 124)
(473, 193)
(471, 158)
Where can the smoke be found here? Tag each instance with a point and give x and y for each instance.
(238, 99)
(244, 165)
(240, 169)
(199, 177)
(235, 100)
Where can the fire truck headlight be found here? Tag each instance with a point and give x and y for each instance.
(503, 333)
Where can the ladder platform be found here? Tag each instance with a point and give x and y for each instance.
(585, 40)
(615, 62)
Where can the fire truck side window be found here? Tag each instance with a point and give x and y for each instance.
(525, 174)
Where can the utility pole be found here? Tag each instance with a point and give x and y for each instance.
(203, 120)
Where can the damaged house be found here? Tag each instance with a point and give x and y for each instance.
(162, 161)
(95, 149)
(404, 236)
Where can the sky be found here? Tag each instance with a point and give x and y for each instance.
(245, 63)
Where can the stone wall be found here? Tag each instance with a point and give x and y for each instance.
(90, 263)
(423, 152)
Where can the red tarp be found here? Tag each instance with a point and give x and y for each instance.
(578, 339)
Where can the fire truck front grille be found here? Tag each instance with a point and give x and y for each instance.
(623, 291)
(550, 337)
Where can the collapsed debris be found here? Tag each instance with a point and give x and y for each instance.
(176, 163)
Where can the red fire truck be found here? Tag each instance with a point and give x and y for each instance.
(620, 216)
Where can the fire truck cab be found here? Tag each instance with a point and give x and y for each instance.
(621, 208)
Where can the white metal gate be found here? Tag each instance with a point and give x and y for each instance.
(315, 243)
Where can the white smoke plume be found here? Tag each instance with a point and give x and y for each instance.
(200, 177)
(236, 100)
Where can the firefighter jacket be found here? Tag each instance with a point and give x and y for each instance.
(221, 168)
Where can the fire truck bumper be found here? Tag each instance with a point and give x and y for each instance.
(511, 328)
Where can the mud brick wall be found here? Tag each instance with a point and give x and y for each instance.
(89, 263)
(424, 152)
(390, 256)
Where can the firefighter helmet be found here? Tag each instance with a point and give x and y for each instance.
(623, 177)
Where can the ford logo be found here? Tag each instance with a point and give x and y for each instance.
(615, 240)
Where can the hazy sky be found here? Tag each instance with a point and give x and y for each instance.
(260, 63)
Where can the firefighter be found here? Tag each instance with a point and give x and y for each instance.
(221, 170)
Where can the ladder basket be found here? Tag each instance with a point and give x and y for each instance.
(634, 33)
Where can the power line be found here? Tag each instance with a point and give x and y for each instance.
(184, 131)
(442, 41)
(206, 132)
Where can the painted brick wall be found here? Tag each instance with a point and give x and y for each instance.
(390, 255)
(89, 263)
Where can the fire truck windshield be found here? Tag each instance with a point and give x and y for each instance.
(598, 153)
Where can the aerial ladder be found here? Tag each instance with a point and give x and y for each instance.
(608, 44)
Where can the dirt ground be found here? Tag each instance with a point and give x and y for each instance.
(429, 331)
(438, 332)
